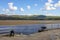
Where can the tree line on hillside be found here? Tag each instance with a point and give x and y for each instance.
(39, 17)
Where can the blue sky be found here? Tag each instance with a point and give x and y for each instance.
(30, 7)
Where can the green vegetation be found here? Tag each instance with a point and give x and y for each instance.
(53, 18)
(25, 17)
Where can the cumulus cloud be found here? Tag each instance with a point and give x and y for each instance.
(50, 1)
(21, 9)
(49, 5)
(29, 14)
(28, 7)
(50, 8)
(5, 10)
(50, 14)
(11, 7)
(57, 4)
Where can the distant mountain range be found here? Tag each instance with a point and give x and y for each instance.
(25, 17)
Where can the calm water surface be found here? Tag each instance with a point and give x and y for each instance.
(27, 29)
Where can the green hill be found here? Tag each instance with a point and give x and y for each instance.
(25, 17)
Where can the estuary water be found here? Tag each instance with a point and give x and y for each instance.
(26, 28)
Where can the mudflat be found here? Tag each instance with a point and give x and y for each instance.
(18, 22)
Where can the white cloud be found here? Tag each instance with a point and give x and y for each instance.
(57, 4)
(29, 14)
(49, 5)
(50, 8)
(25, 14)
(50, 14)
(28, 7)
(21, 9)
(53, 8)
(35, 4)
(10, 4)
(11, 7)
(5, 10)
(50, 1)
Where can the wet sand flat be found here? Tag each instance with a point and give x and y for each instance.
(18, 22)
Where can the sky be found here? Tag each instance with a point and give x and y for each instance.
(30, 7)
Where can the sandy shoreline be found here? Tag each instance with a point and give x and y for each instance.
(19, 22)
(46, 35)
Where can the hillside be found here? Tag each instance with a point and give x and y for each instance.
(25, 17)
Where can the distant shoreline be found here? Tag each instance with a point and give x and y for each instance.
(19, 22)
